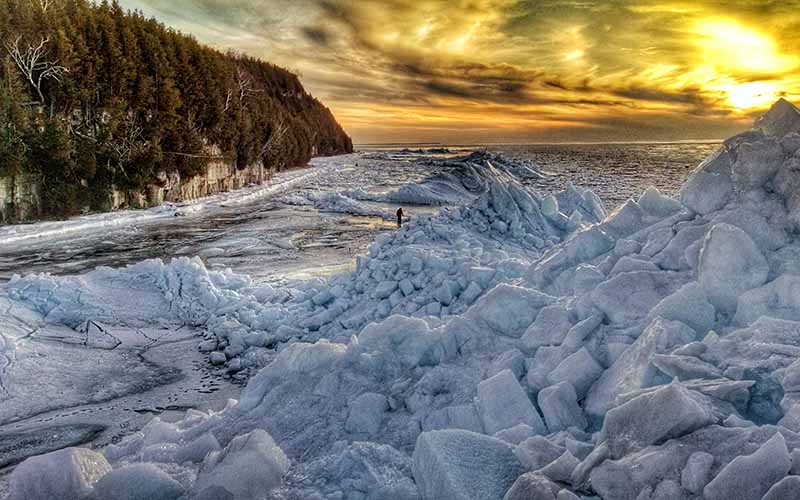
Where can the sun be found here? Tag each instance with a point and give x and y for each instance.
(732, 47)
(751, 95)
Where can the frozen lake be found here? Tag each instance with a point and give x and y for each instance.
(270, 239)
(299, 232)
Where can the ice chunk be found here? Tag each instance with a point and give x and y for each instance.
(408, 339)
(532, 486)
(697, 473)
(385, 289)
(565, 494)
(366, 413)
(706, 192)
(668, 412)
(779, 298)
(137, 482)
(560, 469)
(582, 247)
(791, 419)
(549, 328)
(750, 477)
(580, 369)
(297, 360)
(757, 162)
(673, 256)
(515, 435)
(559, 404)
(502, 403)
(657, 240)
(657, 204)
(217, 358)
(730, 264)
(632, 370)
(198, 449)
(685, 367)
(628, 297)
(781, 119)
(689, 305)
(512, 360)
(537, 451)
(249, 467)
(213, 493)
(463, 465)
(454, 417)
(67, 474)
(492, 309)
(786, 489)
(625, 221)
(627, 264)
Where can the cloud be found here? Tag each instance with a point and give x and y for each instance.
(318, 36)
(517, 68)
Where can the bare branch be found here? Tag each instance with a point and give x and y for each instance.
(280, 130)
(245, 85)
(32, 65)
(43, 4)
(228, 100)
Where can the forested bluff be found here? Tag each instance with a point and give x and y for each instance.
(102, 109)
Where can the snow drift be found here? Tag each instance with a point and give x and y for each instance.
(521, 346)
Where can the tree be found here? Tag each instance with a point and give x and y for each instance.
(33, 65)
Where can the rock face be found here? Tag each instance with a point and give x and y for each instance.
(20, 197)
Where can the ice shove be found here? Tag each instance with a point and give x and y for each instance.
(517, 345)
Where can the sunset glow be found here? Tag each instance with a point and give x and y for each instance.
(517, 70)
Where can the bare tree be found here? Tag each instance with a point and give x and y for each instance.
(245, 85)
(228, 100)
(280, 130)
(128, 142)
(43, 4)
(32, 64)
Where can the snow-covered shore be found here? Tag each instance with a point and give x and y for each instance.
(518, 346)
(23, 233)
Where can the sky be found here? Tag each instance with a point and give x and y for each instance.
(517, 71)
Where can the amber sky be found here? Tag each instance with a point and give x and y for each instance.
(517, 70)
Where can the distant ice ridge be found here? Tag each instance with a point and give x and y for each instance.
(650, 355)
(332, 201)
(457, 181)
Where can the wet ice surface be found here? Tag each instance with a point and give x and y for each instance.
(269, 239)
(107, 391)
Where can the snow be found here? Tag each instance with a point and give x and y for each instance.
(517, 344)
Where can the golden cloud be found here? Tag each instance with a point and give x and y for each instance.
(517, 70)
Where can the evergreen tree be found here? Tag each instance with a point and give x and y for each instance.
(134, 99)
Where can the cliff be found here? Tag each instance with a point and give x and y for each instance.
(102, 108)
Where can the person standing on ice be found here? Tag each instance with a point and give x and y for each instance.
(399, 217)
